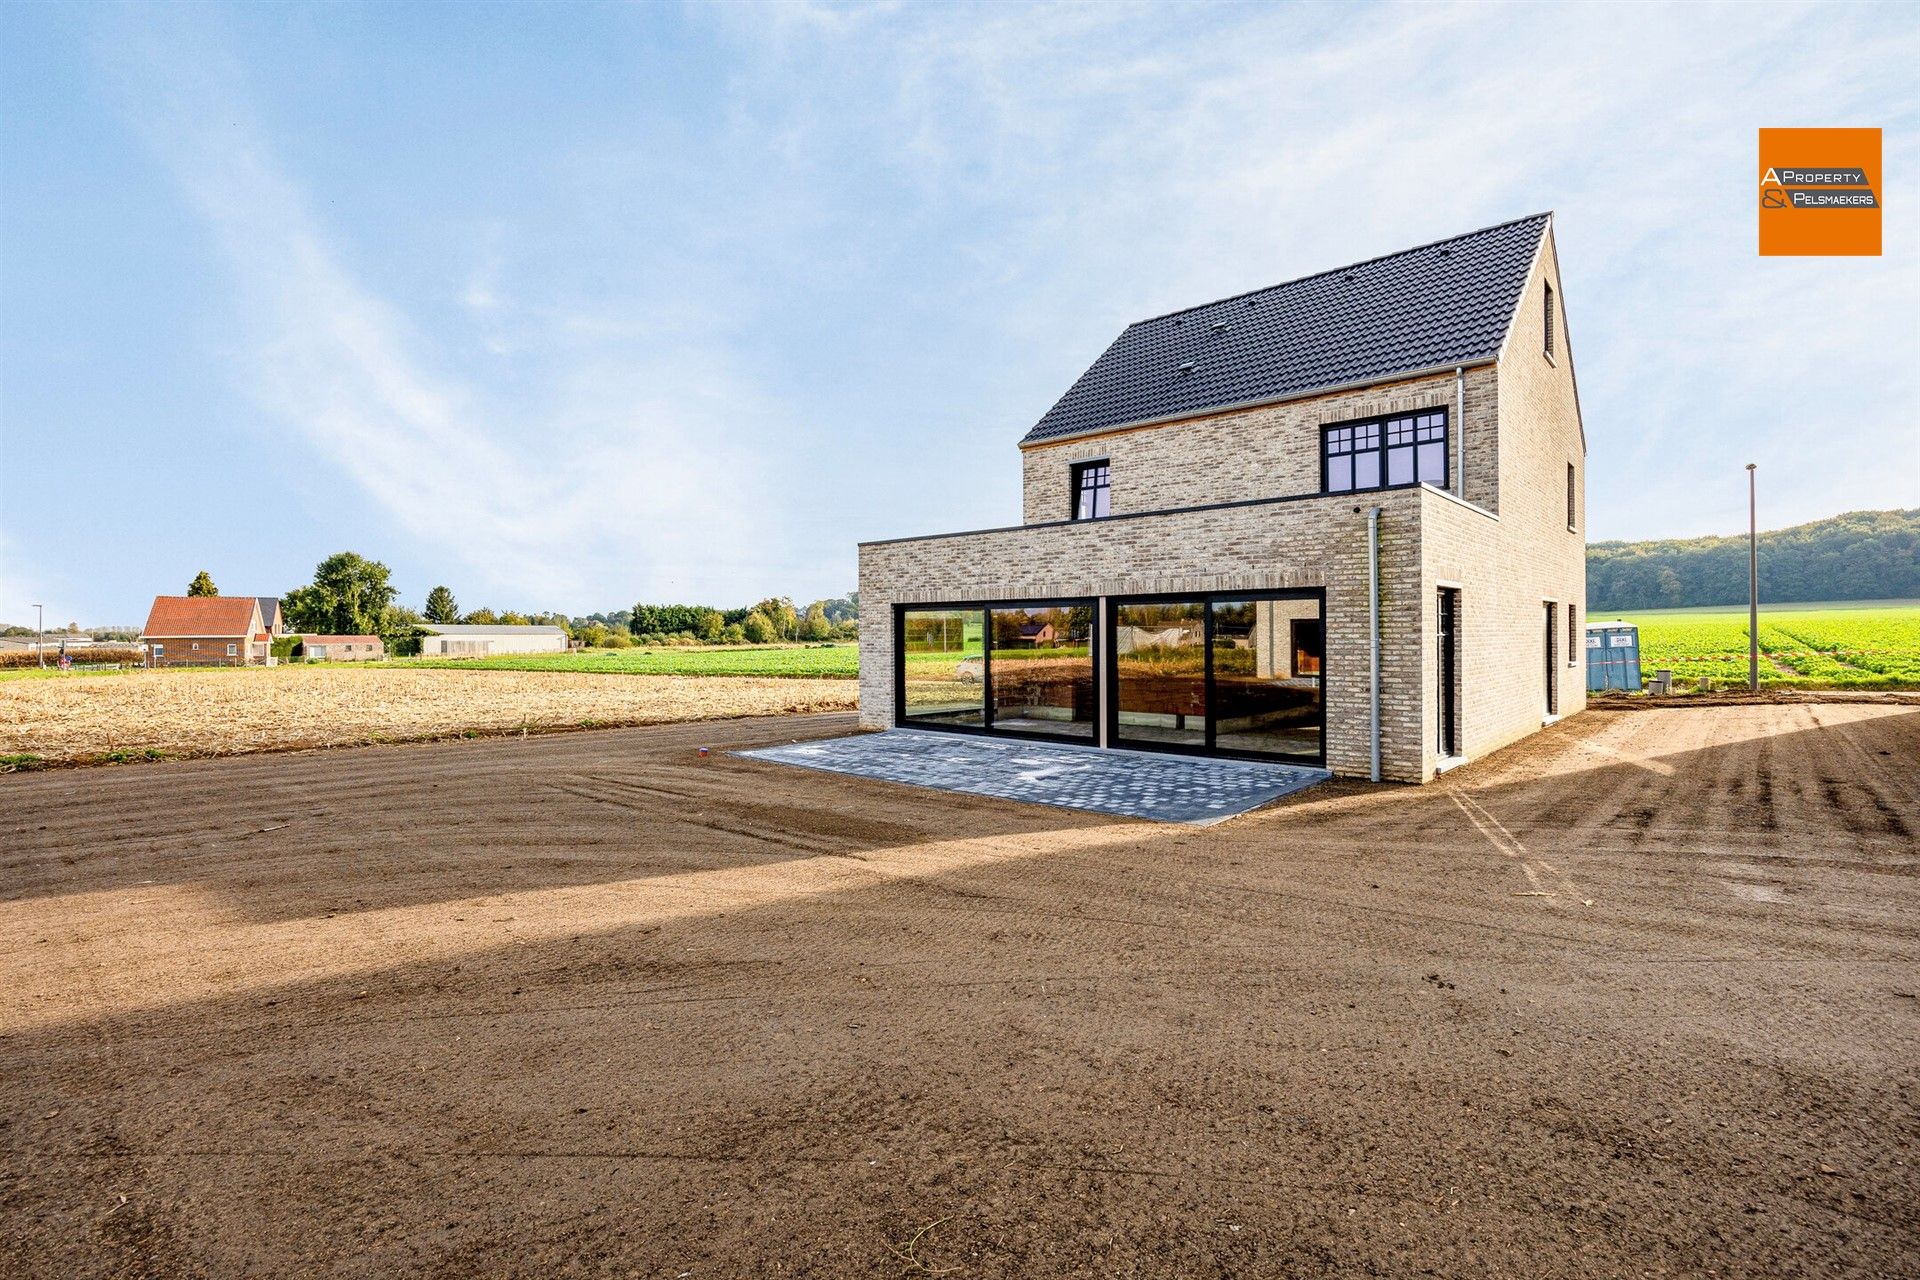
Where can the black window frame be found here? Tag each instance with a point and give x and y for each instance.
(1110, 674)
(985, 608)
(1075, 485)
(1572, 511)
(1379, 424)
(1547, 316)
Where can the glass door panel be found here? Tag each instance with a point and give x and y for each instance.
(1267, 696)
(1041, 670)
(1160, 669)
(943, 666)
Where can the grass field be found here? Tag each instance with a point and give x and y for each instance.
(834, 661)
(1872, 644)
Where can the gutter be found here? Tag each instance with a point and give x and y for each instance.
(1460, 428)
(1209, 411)
(1373, 628)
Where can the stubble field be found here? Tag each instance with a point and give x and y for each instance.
(232, 712)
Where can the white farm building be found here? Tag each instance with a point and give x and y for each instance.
(451, 640)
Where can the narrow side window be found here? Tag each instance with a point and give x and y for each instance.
(1549, 319)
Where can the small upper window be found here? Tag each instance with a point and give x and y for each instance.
(1386, 453)
(1549, 320)
(1092, 490)
(1571, 522)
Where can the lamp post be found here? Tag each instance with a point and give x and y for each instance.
(1753, 590)
(39, 630)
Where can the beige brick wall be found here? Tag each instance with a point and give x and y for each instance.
(1508, 567)
(1256, 453)
(1314, 542)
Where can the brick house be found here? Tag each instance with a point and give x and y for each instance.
(342, 648)
(205, 631)
(1336, 521)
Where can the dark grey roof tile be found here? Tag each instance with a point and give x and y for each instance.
(1444, 303)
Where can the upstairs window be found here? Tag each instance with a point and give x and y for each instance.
(1548, 327)
(1092, 490)
(1570, 499)
(1385, 453)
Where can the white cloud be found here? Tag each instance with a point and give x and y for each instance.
(610, 486)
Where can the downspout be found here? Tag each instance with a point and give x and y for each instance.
(1373, 627)
(1460, 430)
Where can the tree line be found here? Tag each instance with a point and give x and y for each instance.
(1861, 555)
(352, 595)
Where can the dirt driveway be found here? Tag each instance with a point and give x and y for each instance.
(1635, 998)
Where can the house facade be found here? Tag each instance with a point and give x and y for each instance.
(475, 640)
(205, 631)
(341, 648)
(1338, 521)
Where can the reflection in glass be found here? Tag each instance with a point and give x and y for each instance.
(944, 665)
(1042, 670)
(1160, 658)
(1266, 676)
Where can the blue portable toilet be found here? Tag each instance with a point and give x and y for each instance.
(1613, 656)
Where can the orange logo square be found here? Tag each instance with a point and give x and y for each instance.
(1819, 193)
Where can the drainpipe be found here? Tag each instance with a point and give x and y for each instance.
(1373, 627)
(1460, 430)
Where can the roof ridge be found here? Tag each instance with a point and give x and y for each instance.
(1351, 266)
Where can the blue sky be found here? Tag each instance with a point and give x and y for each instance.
(569, 306)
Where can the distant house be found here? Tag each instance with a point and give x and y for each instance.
(1036, 634)
(205, 631)
(461, 640)
(270, 615)
(342, 648)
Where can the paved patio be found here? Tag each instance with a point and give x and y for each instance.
(1129, 784)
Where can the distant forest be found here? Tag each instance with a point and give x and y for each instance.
(1862, 555)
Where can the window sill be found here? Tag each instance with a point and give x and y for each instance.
(1548, 357)
(1446, 763)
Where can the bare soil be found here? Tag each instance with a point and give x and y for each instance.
(214, 712)
(1634, 998)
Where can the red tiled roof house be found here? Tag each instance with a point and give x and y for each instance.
(205, 631)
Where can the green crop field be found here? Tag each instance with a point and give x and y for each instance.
(840, 661)
(1872, 644)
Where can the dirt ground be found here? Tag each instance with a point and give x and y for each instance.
(232, 712)
(1634, 998)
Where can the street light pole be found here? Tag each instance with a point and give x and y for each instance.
(1753, 590)
(39, 632)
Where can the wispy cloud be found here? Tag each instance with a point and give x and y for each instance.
(617, 462)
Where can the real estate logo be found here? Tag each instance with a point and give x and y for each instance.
(1818, 193)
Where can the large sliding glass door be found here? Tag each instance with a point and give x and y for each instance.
(1239, 675)
(1160, 673)
(1019, 668)
(1267, 655)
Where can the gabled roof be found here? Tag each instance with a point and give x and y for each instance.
(269, 605)
(221, 617)
(1439, 305)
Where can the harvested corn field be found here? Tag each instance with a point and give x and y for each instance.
(231, 712)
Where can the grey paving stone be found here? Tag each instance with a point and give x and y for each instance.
(1132, 784)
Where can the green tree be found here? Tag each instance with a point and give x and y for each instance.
(442, 607)
(202, 585)
(758, 630)
(779, 613)
(400, 631)
(814, 625)
(349, 596)
(481, 617)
